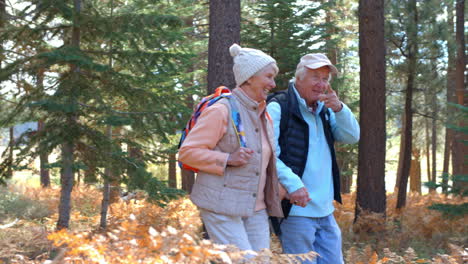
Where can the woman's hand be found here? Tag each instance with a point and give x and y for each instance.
(240, 157)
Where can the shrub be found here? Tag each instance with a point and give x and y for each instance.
(13, 205)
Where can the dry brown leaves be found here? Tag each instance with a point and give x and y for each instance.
(141, 232)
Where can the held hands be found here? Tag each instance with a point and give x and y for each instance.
(331, 99)
(300, 197)
(240, 157)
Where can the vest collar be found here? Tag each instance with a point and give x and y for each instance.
(248, 102)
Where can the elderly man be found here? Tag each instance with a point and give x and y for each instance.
(308, 117)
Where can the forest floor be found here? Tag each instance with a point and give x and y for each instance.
(141, 232)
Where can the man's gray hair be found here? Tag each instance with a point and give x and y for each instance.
(302, 71)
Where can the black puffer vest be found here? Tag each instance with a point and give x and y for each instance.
(294, 139)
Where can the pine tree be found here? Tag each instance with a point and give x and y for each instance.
(286, 30)
(83, 94)
(371, 169)
(224, 31)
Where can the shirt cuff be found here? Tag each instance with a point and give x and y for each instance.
(292, 183)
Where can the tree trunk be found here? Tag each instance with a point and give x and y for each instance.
(106, 192)
(415, 172)
(172, 170)
(400, 153)
(43, 156)
(346, 180)
(69, 145)
(434, 136)
(66, 181)
(450, 94)
(2, 25)
(412, 62)
(428, 144)
(188, 179)
(332, 49)
(90, 161)
(459, 148)
(371, 194)
(43, 160)
(224, 31)
(11, 144)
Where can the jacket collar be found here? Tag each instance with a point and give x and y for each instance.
(248, 102)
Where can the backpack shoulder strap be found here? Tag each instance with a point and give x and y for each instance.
(236, 121)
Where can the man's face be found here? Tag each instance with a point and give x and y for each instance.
(313, 83)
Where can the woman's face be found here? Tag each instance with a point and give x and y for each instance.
(259, 85)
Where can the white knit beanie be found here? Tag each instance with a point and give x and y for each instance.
(247, 62)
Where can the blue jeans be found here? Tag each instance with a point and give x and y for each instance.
(304, 234)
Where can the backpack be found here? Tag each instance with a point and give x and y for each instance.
(207, 101)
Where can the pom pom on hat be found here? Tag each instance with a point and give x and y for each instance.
(247, 62)
(234, 50)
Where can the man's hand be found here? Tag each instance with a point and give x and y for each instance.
(331, 100)
(240, 157)
(300, 197)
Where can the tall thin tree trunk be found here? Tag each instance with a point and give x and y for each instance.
(450, 94)
(371, 194)
(43, 156)
(401, 152)
(172, 170)
(412, 62)
(459, 147)
(332, 49)
(106, 193)
(415, 171)
(224, 31)
(346, 179)
(43, 160)
(428, 144)
(11, 144)
(187, 176)
(434, 136)
(68, 157)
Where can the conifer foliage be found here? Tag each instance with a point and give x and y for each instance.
(284, 29)
(107, 63)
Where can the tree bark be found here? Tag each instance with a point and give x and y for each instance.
(459, 148)
(43, 160)
(451, 98)
(434, 135)
(371, 194)
(332, 51)
(412, 62)
(346, 179)
(415, 172)
(188, 179)
(2, 25)
(106, 192)
(400, 153)
(224, 31)
(428, 144)
(11, 144)
(172, 170)
(68, 158)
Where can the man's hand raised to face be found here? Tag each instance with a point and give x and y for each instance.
(331, 100)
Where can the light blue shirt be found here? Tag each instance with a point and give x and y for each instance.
(317, 177)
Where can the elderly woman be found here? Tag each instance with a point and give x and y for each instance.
(237, 187)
